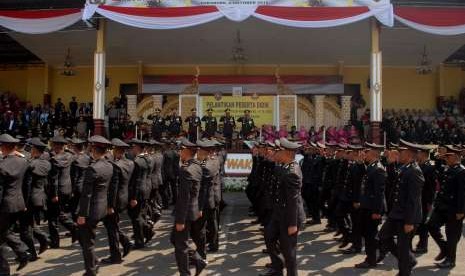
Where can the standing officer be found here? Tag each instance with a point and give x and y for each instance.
(248, 125)
(372, 202)
(228, 127)
(187, 209)
(122, 172)
(428, 167)
(211, 125)
(93, 206)
(58, 206)
(449, 208)
(405, 214)
(35, 198)
(288, 212)
(174, 124)
(12, 171)
(158, 124)
(194, 125)
(139, 192)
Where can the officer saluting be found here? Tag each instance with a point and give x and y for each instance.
(288, 212)
(449, 208)
(372, 202)
(228, 126)
(12, 170)
(174, 123)
(187, 209)
(406, 212)
(194, 125)
(118, 203)
(93, 204)
(211, 125)
(158, 124)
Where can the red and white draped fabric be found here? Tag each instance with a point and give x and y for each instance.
(39, 21)
(180, 17)
(440, 21)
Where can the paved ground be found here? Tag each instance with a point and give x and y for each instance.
(240, 253)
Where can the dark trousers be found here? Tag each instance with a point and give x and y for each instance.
(422, 230)
(402, 249)
(115, 236)
(7, 238)
(453, 232)
(139, 223)
(28, 230)
(87, 240)
(276, 233)
(211, 215)
(198, 235)
(313, 202)
(369, 231)
(342, 214)
(181, 249)
(165, 193)
(356, 236)
(173, 186)
(56, 212)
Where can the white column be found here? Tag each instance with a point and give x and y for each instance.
(318, 101)
(376, 84)
(345, 109)
(99, 80)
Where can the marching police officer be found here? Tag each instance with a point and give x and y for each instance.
(118, 203)
(406, 211)
(78, 166)
(12, 204)
(428, 167)
(229, 124)
(372, 202)
(170, 175)
(139, 192)
(194, 125)
(158, 124)
(288, 213)
(248, 125)
(449, 208)
(93, 206)
(58, 205)
(187, 209)
(211, 125)
(174, 123)
(35, 198)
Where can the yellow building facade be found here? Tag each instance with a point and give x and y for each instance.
(402, 86)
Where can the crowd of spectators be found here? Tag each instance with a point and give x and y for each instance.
(445, 125)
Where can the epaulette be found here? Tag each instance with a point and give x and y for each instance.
(431, 163)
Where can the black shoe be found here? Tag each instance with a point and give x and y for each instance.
(413, 264)
(150, 235)
(23, 261)
(344, 243)
(420, 250)
(138, 246)
(54, 245)
(381, 257)
(265, 251)
(74, 236)
(110, 261)
(271, 272)
(446, 264)
(314, 222)
(212, 249)
(126, 249)
(440, 256)
(43, 247)
(351, 251)
(200, 266)
(365, 265)
(33, 258)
